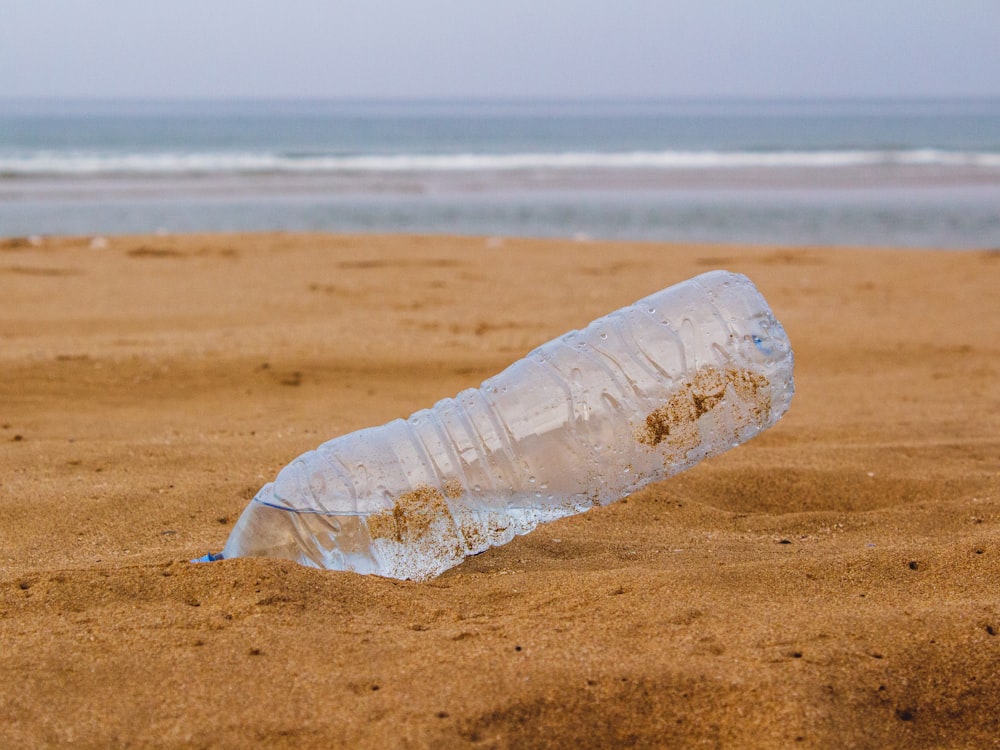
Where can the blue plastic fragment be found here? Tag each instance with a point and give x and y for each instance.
(210, 557)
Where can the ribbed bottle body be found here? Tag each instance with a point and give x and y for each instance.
(583, 420)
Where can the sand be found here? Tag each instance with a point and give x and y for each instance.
(833, 583)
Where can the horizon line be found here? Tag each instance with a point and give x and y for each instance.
(504, 99)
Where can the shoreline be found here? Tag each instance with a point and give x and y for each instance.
(831, 580)
(921, 217)
(381, 182)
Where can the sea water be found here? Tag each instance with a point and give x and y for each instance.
(907, 173)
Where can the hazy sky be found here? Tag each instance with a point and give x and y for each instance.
(501, 48)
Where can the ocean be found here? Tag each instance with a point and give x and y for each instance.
(909, 173)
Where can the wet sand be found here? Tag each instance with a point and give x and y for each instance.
(833, 583)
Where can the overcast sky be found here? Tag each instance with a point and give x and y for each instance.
(501, 48)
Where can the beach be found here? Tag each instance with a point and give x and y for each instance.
(834, 582)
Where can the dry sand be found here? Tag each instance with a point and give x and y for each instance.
(833, 583)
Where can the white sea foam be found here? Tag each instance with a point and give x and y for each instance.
(53, 163)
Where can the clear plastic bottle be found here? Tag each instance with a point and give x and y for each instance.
(584, 420)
